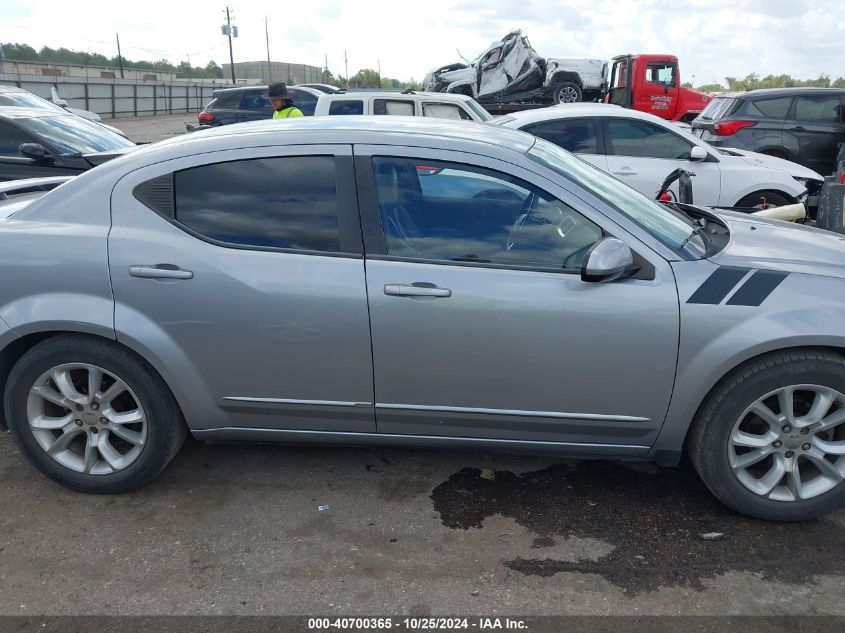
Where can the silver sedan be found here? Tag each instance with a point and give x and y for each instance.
(398, 281)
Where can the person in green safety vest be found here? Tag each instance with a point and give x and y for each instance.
(282, 101)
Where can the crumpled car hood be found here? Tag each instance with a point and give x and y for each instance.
(775, 245)
(773, 162)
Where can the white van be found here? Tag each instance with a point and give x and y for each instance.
(438, 105)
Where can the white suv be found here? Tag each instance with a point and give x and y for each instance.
(438, 105)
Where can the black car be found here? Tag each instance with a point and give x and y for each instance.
(804, 125)
(249, 103)
(39, 142)
(324, 88)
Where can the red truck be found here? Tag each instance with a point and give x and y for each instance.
(652, 83)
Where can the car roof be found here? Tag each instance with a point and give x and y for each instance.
(227, 91)
(574, 110)
(781, 92)
(383, 130)
(352, 93)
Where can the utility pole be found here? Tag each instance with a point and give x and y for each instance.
(119, 56)
(325, 70)
(267, 37)
(378, 72)
(228, 31)
(346, 68)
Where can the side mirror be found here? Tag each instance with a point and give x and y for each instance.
(34, 150)
(698, 153)
(607, 260)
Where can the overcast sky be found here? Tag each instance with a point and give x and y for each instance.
(712, 38)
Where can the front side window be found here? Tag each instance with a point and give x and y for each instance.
(288, 202)
(645, 140)
(449, 212)
(393, 107)
(817, 109)
(663, 74)
(10, 139)
(574, 135)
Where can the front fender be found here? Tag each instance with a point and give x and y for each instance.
(716, 338)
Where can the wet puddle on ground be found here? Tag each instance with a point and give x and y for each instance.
(653, 518)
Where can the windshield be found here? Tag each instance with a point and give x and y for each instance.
(670, 227)
(481, 112)
(71, 134)
(26, 100)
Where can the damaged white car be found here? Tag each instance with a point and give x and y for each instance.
(511, 69)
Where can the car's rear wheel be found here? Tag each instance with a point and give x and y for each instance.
(567, 92)
(91, 415)
(770, 440)
(755, 200)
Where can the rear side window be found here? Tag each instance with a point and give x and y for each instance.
(229, 101)
(393, 107)
(288, 202)
(718, 108)
(254, 100)
(575, 135)
(770, 108)
(347, 106)
(445, 111)
(645, 140)
(818, 108)
(305, 101)
(10, 139)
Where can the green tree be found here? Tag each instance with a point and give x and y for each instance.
(365, 78)
(711, 88)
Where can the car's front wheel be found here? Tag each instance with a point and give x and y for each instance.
(770, 440)
(91, 415)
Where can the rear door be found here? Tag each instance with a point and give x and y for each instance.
(641, 154)
(253, 106)
(243, 272)
(814, 127)
(481, 325)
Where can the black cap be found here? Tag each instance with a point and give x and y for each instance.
(278, 90)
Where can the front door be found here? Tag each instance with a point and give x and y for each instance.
(241, 272)
(815, 127)
(481, 325)
(659, 90)
(641, 154)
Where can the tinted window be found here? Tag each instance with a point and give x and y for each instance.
(574, 135)
(770, 108)
(355, 106)
(817, 109)
(445, 111)
(394, 107)
(11, 138)
(26, 100)
(303, 100)
(71, 133)
(717, 108)
(254, 100)
(286, 202)
(645, 140)
(450, 212)
(226, 100)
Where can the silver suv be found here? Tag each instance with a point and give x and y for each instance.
(386, 280)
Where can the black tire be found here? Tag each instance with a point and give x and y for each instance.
(708, 440)
(773, 198)
(166, 428)
(567, 92)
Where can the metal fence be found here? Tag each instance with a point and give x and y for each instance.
(116, 98)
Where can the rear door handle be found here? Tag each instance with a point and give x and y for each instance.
(160, 271)
(419, 289)
(798, 128)
(625, 171)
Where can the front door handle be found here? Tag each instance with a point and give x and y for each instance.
(797, 128)
(160, 271)
(625, 171)
(419, 289)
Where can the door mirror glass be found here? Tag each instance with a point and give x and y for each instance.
(608, 260)
(698, 153)
(34, 150)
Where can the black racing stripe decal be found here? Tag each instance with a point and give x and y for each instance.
(754, 291)
(717, 286)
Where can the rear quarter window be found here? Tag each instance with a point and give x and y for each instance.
(769, 108)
